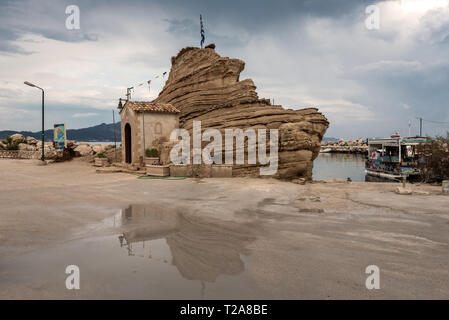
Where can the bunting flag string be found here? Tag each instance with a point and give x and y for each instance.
(130, 89)
(184, 60)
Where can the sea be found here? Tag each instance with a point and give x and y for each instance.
(103, 142)
(339, 166)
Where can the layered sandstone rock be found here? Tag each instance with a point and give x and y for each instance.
(205, 86)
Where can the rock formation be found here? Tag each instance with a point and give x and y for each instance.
(17, 138)
(84, 149)
(206, 87)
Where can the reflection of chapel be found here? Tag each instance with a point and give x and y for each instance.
(142, 123)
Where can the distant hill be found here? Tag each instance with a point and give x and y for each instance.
(100, 133)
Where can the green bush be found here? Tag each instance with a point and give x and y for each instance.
(12, 146)
(9, 145)
(151, 153)
(101, 155)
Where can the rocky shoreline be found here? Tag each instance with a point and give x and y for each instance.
(18, 146)
(345, 146)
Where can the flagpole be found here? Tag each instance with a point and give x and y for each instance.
(202, 31)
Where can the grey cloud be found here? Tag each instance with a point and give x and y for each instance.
(388, 68)
(44, 18)
(295, 51)
(435, 27)
(256, 15)
(188, 28)
(9, 93)
(61, 34)
(7, 38)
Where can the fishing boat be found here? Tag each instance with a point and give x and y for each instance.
(395, 158)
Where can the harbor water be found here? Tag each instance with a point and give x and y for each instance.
(339, 166)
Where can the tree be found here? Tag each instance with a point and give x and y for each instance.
(436, 155)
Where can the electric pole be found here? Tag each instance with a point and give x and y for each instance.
(420, 126)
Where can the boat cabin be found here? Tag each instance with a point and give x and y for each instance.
(394, 157)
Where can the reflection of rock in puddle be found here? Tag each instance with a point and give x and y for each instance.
(201, 249)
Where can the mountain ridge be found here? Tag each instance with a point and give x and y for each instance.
(99, 133)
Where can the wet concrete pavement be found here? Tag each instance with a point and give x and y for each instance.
(215, 238)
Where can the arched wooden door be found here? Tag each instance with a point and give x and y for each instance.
(128, 143)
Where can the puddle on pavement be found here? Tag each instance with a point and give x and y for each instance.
(154, 255)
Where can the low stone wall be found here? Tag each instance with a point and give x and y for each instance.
(345, 146)
(20, 154)
(11, 154)
(346, 149)
(203, 171)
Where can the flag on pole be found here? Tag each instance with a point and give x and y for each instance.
(203, 37)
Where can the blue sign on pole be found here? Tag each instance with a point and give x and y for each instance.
(60, 136)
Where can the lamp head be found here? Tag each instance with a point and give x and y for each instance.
(29, 84)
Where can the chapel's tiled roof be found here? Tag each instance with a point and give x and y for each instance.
(151, 106)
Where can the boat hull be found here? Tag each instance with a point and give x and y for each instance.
(389, 176)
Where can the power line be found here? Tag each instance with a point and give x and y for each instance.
(439, 122)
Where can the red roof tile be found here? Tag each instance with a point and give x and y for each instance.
(151, 106)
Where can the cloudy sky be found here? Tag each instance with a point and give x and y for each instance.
(299, 53)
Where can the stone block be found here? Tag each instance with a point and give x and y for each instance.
(221, 171)
(181, 170)
(445, 187)
(158, 171)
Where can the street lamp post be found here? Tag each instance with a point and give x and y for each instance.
(43, 129)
